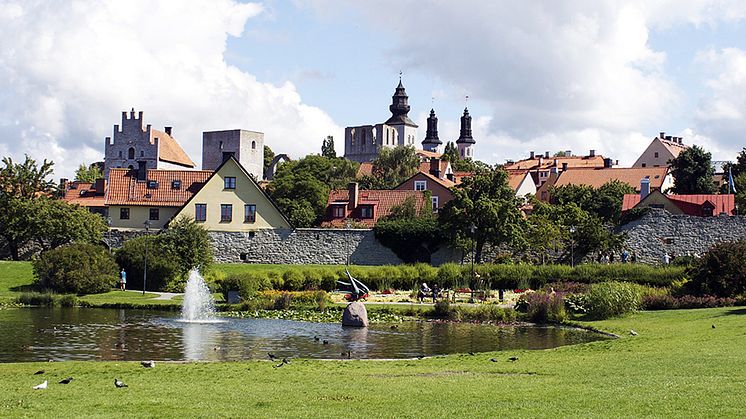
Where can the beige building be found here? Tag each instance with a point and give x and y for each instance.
(662, 149)
(231, 200)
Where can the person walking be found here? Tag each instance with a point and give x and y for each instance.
(122, 280)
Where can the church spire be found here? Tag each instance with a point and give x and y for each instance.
(465, 134)
(431, 141)
(400, 107)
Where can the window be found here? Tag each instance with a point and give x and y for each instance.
(366, 211)
(152, 184)
(249, 213)
(420, 185)
(644, 165)
(176, 184)
(154, 214)
(131, 153)
(707, 211)
(226, 213)
(200, 212)
(230, 183)
(142, 153)
(338, 211)
(253, 145)
(435, 203)
(543, 195)
(120, 154)
(124, 213)
(656, 154)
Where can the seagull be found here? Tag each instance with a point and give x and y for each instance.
(66, 380)
(148, 364)
(39, 372)
(493, 359)
(119, 384)
(633, 333)
(42, 386)
(271, 356)
(513, 359)
(217, 348)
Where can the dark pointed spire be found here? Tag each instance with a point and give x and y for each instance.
(431, 138)
(465, 134)
(400, 107)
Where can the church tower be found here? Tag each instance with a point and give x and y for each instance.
(431, 141)
(405, 127)
(465, 142)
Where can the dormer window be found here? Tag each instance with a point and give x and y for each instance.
(338, 211)
(366, 211)
(152, 184)
(176, 184)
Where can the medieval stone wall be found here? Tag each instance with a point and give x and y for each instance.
(659, 232)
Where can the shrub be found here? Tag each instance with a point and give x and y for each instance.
(282, 302)
(77, 268)
(36, 299)
(668, 302)
(246, 283)
(541, 307)
(68, 300)
(609, 299)
(721, 271)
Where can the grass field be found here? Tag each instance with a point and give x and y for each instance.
(678, 366)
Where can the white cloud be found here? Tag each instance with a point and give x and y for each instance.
(68, 69)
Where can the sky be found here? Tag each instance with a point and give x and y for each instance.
(539, 75)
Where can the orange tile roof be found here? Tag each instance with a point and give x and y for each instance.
(425, 167)
(445, 182)
(382, 201)
(596, 161)
(125, 189)
(597, 177)
(365, 169)
(515, 178)
(83, 194)
(674, 147)
(169, 150)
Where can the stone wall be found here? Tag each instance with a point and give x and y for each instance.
(659, 231)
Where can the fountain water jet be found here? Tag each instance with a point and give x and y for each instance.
(198, 306)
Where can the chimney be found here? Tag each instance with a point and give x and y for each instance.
(63, 185)
(644, 188)
(139, 115)
(546, 154)
(99, 186)
(564, 167)
(532, 155)
(669, 138)
(354, 193)
(607, 163)
(450, 177)
(541, 160)
(616, 163)
(592, 153)
(662, 135)
(168, 130)
(568, 153)
(435, 167)
(553, 170)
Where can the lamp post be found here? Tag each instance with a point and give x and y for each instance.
(145, 271)
(473, 230)
(108, 233)
(572, 247)
(347, 223)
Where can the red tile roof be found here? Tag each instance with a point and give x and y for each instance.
(690, 204)
(596, 161)
(365, 169)
(381, 200)
(597, 177)
(83, 194)
(515, 178)
(125, 189)
(169, 150)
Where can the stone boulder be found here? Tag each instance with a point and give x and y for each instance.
(355, 315)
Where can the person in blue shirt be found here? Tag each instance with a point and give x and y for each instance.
(122, 280)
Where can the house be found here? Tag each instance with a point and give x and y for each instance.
(696, 205)
(541, 166)
(662, 149)
(522, 183)
(86, 194)
(363, 208)
(134, 196)
(440, 188)
(143, 148)
(232, 200)
(659, 177)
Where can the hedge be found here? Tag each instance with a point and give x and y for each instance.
(450, 275)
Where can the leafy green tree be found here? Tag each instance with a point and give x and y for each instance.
(740, 183)
(327, 148)
(269, 155)
(55, 223)
(692, 171)
(392, 167)
(561, 154)
(739, 166)
(720, 271)
(88, 173)
(487, 202)
(604, 202)
(450, 153)
(189, 242)
(78, 268)
(412, 235)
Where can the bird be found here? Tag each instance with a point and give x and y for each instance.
(633, 333)
(513, 359)
(713, 326)
(119, 384)
(420, 356)
(39, 372)
(42, 386)
(493, 359)
(325, 342)
(271, 356)
(347, 354)
(316, 338)
(471, 353)
(284, 361)
(66, 380)
(394, 326)
(148, 364)
(216, 348)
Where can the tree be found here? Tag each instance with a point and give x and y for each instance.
(55, 223)
(88, 173)
(269, 155)
(327, 148)
(720, 271)
(486, 201)
(450, 153)
(692, 172)
(78, 268)
(189, 242)
(604, 202)
(739, 166)
(411, 235)
(392, 167)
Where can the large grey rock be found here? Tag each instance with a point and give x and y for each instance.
(355, 315)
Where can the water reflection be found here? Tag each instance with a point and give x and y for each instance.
(62, 333)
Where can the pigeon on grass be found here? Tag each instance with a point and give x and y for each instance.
(42, 386)
(119, 384)
(66, 380)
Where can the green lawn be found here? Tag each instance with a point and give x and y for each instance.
(678, 366)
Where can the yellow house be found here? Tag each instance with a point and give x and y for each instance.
(231, 200)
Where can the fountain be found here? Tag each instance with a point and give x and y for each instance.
(197, 306)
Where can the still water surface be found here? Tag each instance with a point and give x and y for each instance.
(39, 334)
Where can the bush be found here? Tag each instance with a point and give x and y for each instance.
(282, 302)
(163, 268)
(610, 299)
(721, 271)
(668, 302)
(36, 299)
(246, 283)
(77, 268)
(541, 307)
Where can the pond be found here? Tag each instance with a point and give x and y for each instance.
(40, 334)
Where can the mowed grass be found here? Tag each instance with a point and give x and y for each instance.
(677, 366)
